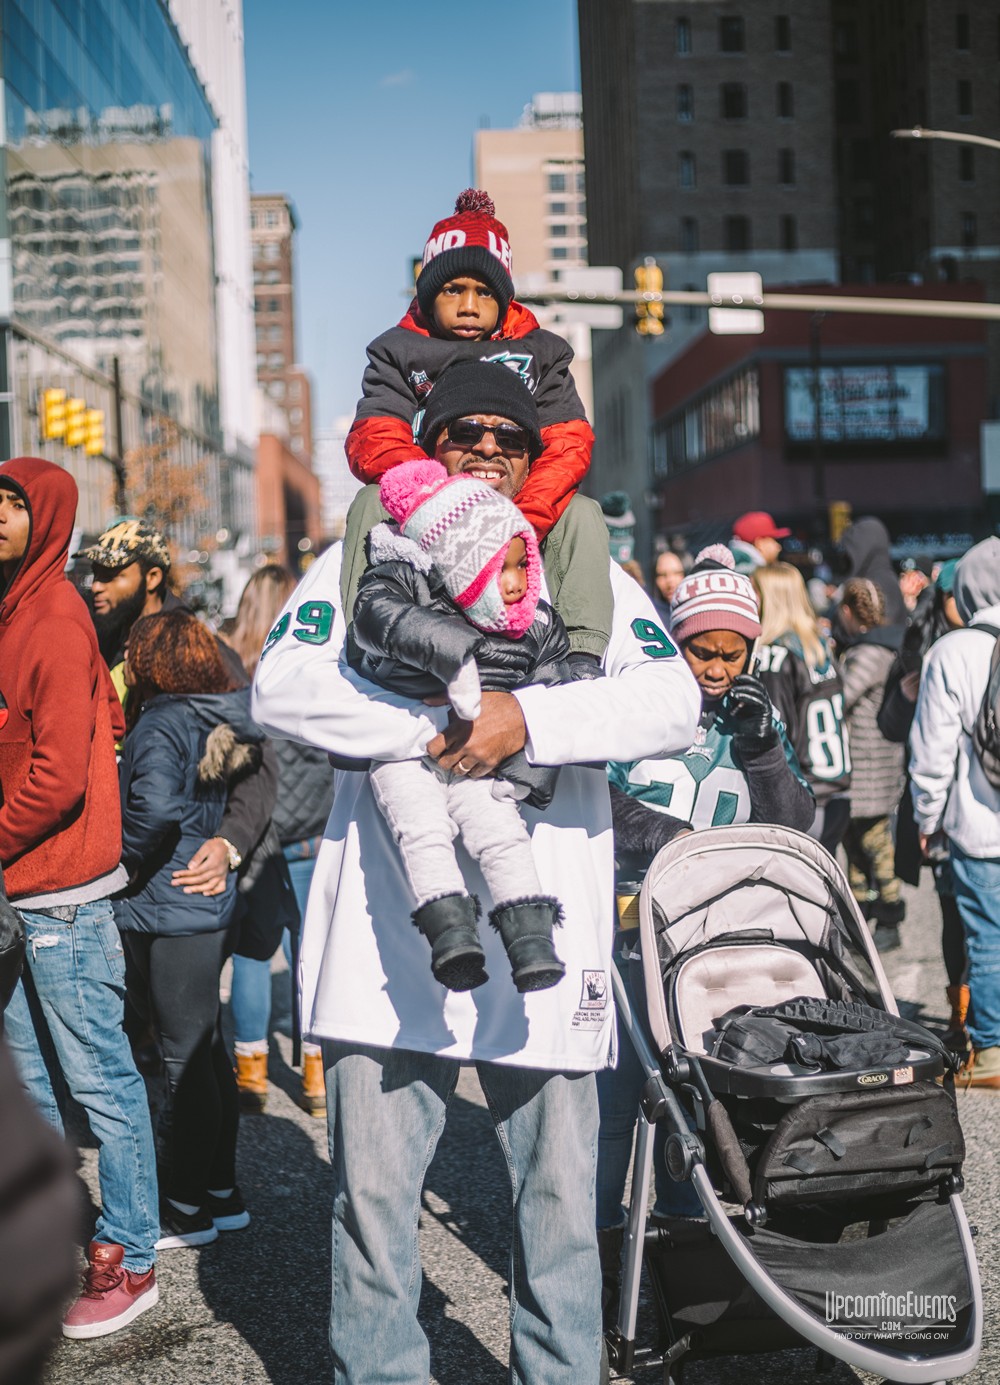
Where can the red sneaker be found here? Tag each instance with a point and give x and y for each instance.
(112, 1296)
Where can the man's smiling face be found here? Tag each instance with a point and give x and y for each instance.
(500, 465)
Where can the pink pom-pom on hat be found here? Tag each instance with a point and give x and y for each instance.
(402, 488)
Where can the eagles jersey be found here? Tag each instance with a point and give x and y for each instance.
(811, 704)
(707, 784)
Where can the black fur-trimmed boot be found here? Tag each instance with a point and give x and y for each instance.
(449, 925)
(526, 927)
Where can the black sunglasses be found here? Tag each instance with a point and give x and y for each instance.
(466, 432)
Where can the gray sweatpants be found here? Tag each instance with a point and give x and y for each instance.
(426, 808)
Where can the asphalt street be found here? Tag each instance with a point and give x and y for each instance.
(252, 1308)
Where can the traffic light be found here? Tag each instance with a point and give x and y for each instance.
(52, 414)
(76, 427)
(649, 315)
(94, 442)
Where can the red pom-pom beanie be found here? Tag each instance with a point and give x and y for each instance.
(471, 242)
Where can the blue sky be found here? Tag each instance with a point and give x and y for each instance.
(364, 112)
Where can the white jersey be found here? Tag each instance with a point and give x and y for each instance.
(365, 972)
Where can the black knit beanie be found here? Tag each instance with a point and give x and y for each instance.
(479, 387)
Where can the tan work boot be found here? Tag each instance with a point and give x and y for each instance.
(313, 1098)
(251, 1082)
(983, 1071)
(956, 1036)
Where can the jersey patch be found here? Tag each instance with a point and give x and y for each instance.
(522, 363)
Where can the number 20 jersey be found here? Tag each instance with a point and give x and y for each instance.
(811, 704)
(706, 785)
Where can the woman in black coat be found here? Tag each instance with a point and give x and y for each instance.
(190, 737)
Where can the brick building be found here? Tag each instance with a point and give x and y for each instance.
(272, 232)
(755, 136)
(899, 410)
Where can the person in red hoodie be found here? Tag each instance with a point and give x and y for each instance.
(465, 310)
(60, 852)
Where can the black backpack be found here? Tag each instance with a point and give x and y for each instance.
(986, 729)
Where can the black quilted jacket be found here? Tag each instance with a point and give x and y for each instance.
(407, 635)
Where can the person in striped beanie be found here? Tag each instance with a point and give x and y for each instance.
(451, 606)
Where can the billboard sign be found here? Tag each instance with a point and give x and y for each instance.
(865, 403)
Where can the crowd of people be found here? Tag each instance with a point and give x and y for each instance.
(466, 708)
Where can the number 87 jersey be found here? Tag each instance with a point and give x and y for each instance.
(811, 704)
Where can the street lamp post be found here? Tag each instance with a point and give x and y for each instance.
(956, 136)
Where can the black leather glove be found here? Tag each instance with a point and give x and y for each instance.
(750, 707)
(583, 666)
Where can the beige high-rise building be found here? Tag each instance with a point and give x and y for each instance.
(535, 176)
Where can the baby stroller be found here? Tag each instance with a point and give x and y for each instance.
(805, 1113)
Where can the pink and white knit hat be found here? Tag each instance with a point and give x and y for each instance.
(714, 597)
(465, 527)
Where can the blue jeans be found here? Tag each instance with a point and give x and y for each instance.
(64, 1025)
(250, 1000)
(977, 894)
(386, 1110)
(618, 1093)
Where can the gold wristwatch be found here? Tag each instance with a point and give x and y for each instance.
(235, 857)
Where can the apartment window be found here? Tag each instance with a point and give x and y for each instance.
(557, 182)
(557, 208)
(964, 98)
(558, 252)
(845, 40)
(261, 359)
(273, 306)
(682, 36)
(789, 228)
(969, 230)
(732, 38)
(966, 165)
(275, 333)
(581, 182)
(786, 101)
(733, 101)
(276, 389)
(736, 233)
(294, 389)
(782, 33)
(735, 167)
(848, 101)
(685, 169)
(295, 417)
(685, 102)
(271, 251)
(689, 235)
(254, 221)
(962, 32)
(271, 219)
(276, 361)
(786, 167)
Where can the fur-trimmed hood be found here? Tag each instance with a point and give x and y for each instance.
(227, 758)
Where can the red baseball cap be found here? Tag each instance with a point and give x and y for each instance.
(758, 524)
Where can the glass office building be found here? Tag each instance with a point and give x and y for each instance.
(107, 256)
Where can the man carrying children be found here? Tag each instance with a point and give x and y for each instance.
(394, 1038)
